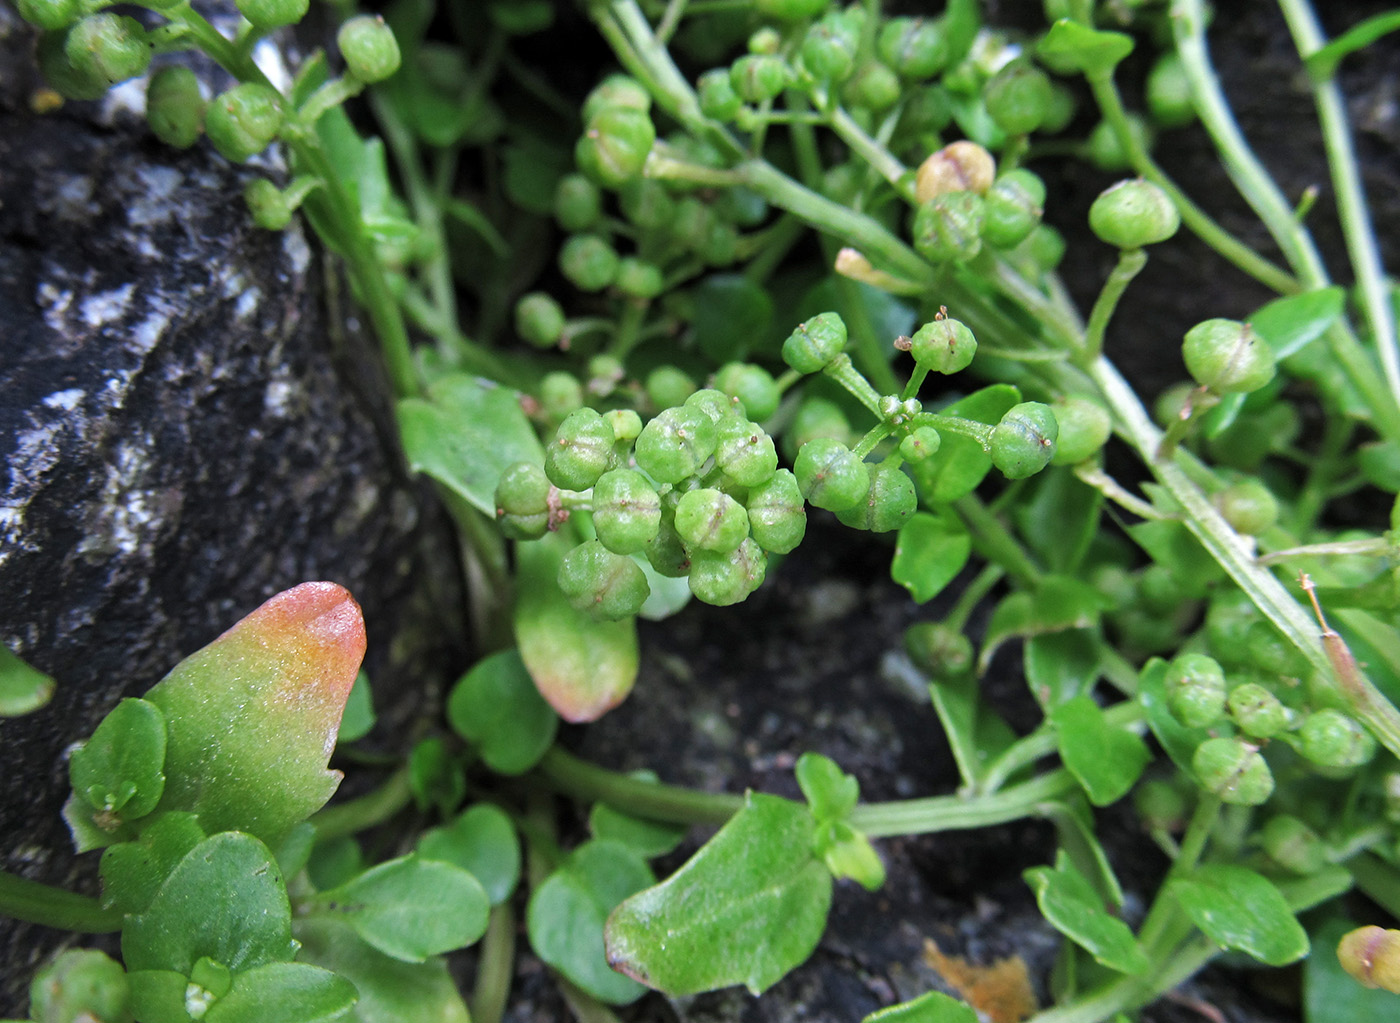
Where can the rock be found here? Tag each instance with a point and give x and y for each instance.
(185, 431)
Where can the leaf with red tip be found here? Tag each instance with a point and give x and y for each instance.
(253, 716)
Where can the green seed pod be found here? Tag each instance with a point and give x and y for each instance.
(243, 121)
(724, 579)
(873, 87)
(1330, 738)
(601, 583)
(67, 80)
(665, 552)
(752, 385)
(758, 77)
(766, 39)
(637, 278)
(948, 228)
(369, 48)
(715, 405)
(50, 15)
(923, 443)
(560, 394)
(1371, 955)
(815, 343)
(667, 387)
(615, 145)
(744, 452)
(270, 14)
(720, 246)
(589, 262)
(174, 106)
(690, 223)
(1132, 214)
(914, 47)
(1161, 591)
(829, 49)
(522, 502)
(940, 650)
(1024, 441)
(927, 110)
(1256, 711)
(789, 10)
(647, 204)
(267, 204)
(580, 452)
(1161, 805)
(777, 516)
(1228, 357)
(1060, 112)
(1018, 97)
(888, 503)
(80, 985)
(1233, 770)
(1085, 426)
(539, 319)
(1293, 845)
(943, 345)
(1228, 620)
(1045, 247)
(108, 47)
(815, 417)
(1169, 92)
(1267, 649)
(1195, 686)
(1013, 208)
(711, 520)
(1105, 151)
(626, 424)
(577, 203)
(958, 167)
(829, 475)
(717, 96)
(626, 511)
(1248, 506)
(675, 444)
(617, 90)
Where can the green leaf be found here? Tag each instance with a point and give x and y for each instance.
(582, 666)
(1061, 665)
(465, 435)
(411, 908)
(1239, 909)
(1060, 518)
(929, 553)
(1177, 739)
(390, 991)
(435, 777)
(358, 718)
(1074, 828)
(118, 770)
(976, 734)
(933, 1007)
(649, 839)
(1330, 994)
(226, 900)
(566, 915)
(1068, 901)
(831, 793)
(1070, 46)
(961, 462)
(334, 862)
(1170, 543)
(22, 689)
(745, 909)
(532, 172)
(158, 996)
(1106, 759)
(286, 992)
(132, 872)
(732, 313)
(1057, 603)
(497, 708)
(481, 841)
(1290, 323)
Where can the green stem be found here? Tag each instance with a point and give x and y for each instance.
(844, 372)
(1044, 741)
(1378, 879)
(874, 154)
(373, 808)
(958, 813)
(995, 542)
(1130, 992)
(975, 592)
(495, 966)
(54, 907)
(590, 783)
(1129, 265)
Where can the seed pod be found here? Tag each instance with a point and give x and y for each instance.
(626, 511)
(872, 87)
(601, 583)
(1228, 357)
(758, 77)
(943, 345)
(615, 145)
(1330, 738)
(539, 319)
(1018, 97)
(665, 552)
(637, 278)
(50, 15)
(1160, 804)
(522, 502)
(580, 452)
(1248, 506)
(560, 394)
(923, 443)
(1106, 152)
(958, 167)
(888, 503)
(815, 417)
(1024, 441)
(1045, 247)
(815, 343)
(626, 424)
(65, 79)
(1134, 213)
(577, 203)
(1233, 770)
(270, 14)
(777, 517)
(948, 228)
(1256, 711)
(1013, 208)
(944, 652)
(1371, 955)
(589, 262)
(667, 387)
(745, 452)
(243, 121)
(1268, 650)
(1195, 686)
(1169, 92)
(723, 579)
(752, 385)
(79, 985)
(175, 106)
(647, 204)
(108, 47)
(829, 475)
(717, 96)
(368, 45)
(715, 405)
(616, 90)
(1293, 845)
(1085, 427)
(914, 47)
(710, 520)
(675, 444)
(267, 204)
(829, 49)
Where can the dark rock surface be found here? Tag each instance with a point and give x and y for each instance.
(183, 433)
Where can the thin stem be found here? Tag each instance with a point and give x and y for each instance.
(368, 810)
(1044, 741)
(996, 542)
(958, 813)
(975, 592)
(1129, 265)
(672, 804)
(844, 372)
(54, 907)
(495, 966)
(874, 154)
